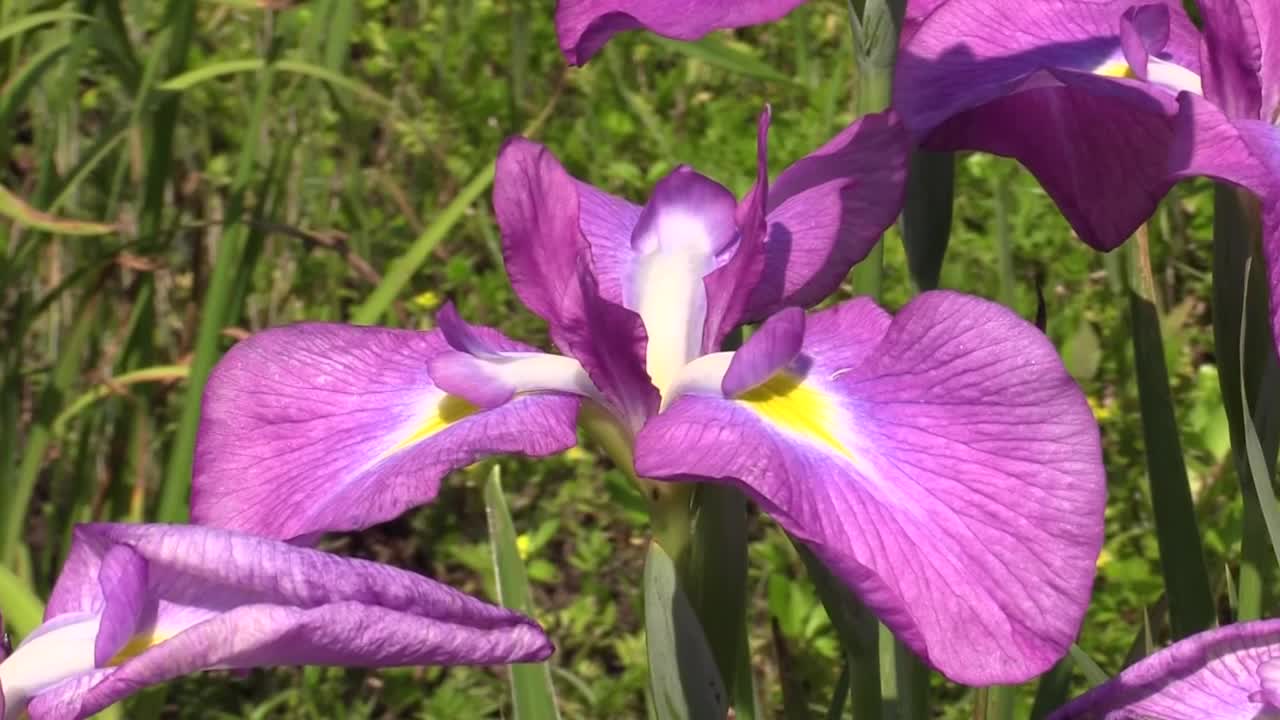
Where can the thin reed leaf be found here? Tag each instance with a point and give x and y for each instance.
(70, 354)
(533, 696)
(39, 19)
(115, 386)
(1255, 459)
(20, 212)
(716, 52)
(1053, 690)
(1236, 238)
(682, 671)
(211, 71)
(20, 606)
(1092, 673)
(1177, 530)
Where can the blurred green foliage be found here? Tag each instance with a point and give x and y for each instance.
(310, 187)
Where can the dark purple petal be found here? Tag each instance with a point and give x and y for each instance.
(609, 340)
(768, 350)
(122, 580)
(827, 210)
(945, 466)
(219, 599)
(584, 26)
(536, 205)
(1231, 58)
(1102, 158)
(730, 286)
(1229, 672)
(317, 427)
(970, 52)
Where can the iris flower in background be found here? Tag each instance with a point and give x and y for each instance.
(1107, 102)
(940, 461)
(137, 605)
(1226, 673)
(584, 26)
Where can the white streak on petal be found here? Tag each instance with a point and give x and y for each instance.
(47, 658)
(702, 376)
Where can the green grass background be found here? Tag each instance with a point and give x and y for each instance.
(293, 193)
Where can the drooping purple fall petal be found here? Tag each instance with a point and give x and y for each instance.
(942, 463)
(1083, 93)
(321, 427)
(1229, 672)
(209, 598)
(584, 26)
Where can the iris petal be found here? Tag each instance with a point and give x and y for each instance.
(313, 428)
(943, 463)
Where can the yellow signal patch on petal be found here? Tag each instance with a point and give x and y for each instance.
(787, 402)
(137, 645)
(448, 411)
(1115, 69)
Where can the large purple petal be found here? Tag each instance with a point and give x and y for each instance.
(319, 427)
(536, 205)
(584, 26)
(971, 52)
(1101, 157)
(1228, 672)
(944, 465)
(827, 210)
(219, 599)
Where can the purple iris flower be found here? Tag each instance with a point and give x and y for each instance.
(584, 26)
(940, 461)
(137, 605)
(1107, 102)
(1230, 673)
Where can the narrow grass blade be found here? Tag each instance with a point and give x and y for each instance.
(1255, 459)
(404, 267)
(1236, 237)
(1177, 531)
(35, 20)
(15, 511)
(795, 701)
(858, 632)
(204, 73)
(840, 694)
(15, 208)
(714, 51)
(20, 606)
(1092, 673)
(532, 694)
(163, 373)
(715, 576)
(926, 215)
(683, 678)
(1054, 689)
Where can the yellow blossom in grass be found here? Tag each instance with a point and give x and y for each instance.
(1101, 412)
(1104, 557)
(427, 300)
(576, 454)
(523, 545)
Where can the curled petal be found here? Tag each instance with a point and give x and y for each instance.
(220, 599)
(1231, 57)
(971, 52)
(1102, 157)
(827, 210)
(584, 26)
(319, 427)
(770, 349)
(1229, 672)
(943, 464)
